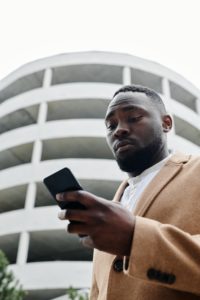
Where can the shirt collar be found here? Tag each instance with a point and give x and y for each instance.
(152, 169)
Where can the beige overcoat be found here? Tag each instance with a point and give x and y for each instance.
(164, 263)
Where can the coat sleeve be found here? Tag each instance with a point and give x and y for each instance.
(163, 254)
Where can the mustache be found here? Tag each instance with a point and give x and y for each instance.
(123, 142)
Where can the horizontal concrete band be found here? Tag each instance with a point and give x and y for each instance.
(77, 128)
(83, 168)
(67, 92)
(53, 130)
(96, 57)
(56, 274)
(40, 218)
(60, 92)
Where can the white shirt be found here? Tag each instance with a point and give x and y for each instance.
(139, 183)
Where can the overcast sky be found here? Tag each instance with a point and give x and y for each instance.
(165, 31)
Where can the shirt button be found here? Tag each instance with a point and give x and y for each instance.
(118, 265)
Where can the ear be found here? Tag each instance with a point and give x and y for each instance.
(166, 123)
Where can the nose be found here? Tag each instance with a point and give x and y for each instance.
(121, 130)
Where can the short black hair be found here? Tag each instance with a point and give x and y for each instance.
(153, 96)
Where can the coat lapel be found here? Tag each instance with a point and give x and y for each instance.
(164, 176)
(120, 191)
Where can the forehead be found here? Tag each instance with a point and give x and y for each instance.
(131, 100)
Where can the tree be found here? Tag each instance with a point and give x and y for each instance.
(74, 294)
(9, 286)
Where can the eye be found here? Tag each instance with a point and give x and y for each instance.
(132, 119)
(111, 126)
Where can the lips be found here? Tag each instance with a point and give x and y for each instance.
(121, 144)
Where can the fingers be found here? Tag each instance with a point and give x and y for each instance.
(86, 241)
(73, 215)
(78, 228)
(80, 196)
(77, 224)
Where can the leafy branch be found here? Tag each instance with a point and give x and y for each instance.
(10, 289)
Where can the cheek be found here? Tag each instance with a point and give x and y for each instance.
(109, 140)
(155, 134)
(148, 131)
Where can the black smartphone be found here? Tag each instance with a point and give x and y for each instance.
(62, 181)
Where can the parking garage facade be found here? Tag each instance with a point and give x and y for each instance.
(51, 116)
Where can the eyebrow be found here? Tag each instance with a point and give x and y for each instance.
(125, 108)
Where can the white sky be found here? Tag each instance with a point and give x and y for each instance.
(165, 31)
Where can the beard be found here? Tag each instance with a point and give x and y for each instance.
(139, 160)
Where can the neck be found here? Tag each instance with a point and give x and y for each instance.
(156, 158)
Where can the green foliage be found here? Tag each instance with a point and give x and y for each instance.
(9, 287)
(74, 294)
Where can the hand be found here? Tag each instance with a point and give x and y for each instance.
(109, 225)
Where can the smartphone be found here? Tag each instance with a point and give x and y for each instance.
(62, 181)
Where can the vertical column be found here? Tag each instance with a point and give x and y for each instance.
(24, 240)
(37, 148)
(22, 253)
(37, 152)
(47, 78)
(167, 94)
(126, 76)
(198, 106)
(167, 97)
(166, 88)
(30, 196)
(42, 115)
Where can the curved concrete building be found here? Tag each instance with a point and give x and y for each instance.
(51, 116)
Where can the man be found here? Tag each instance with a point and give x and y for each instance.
(147, 240)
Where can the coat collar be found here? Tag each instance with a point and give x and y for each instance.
(164, 176)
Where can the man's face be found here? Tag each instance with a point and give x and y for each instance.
(134, 130)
